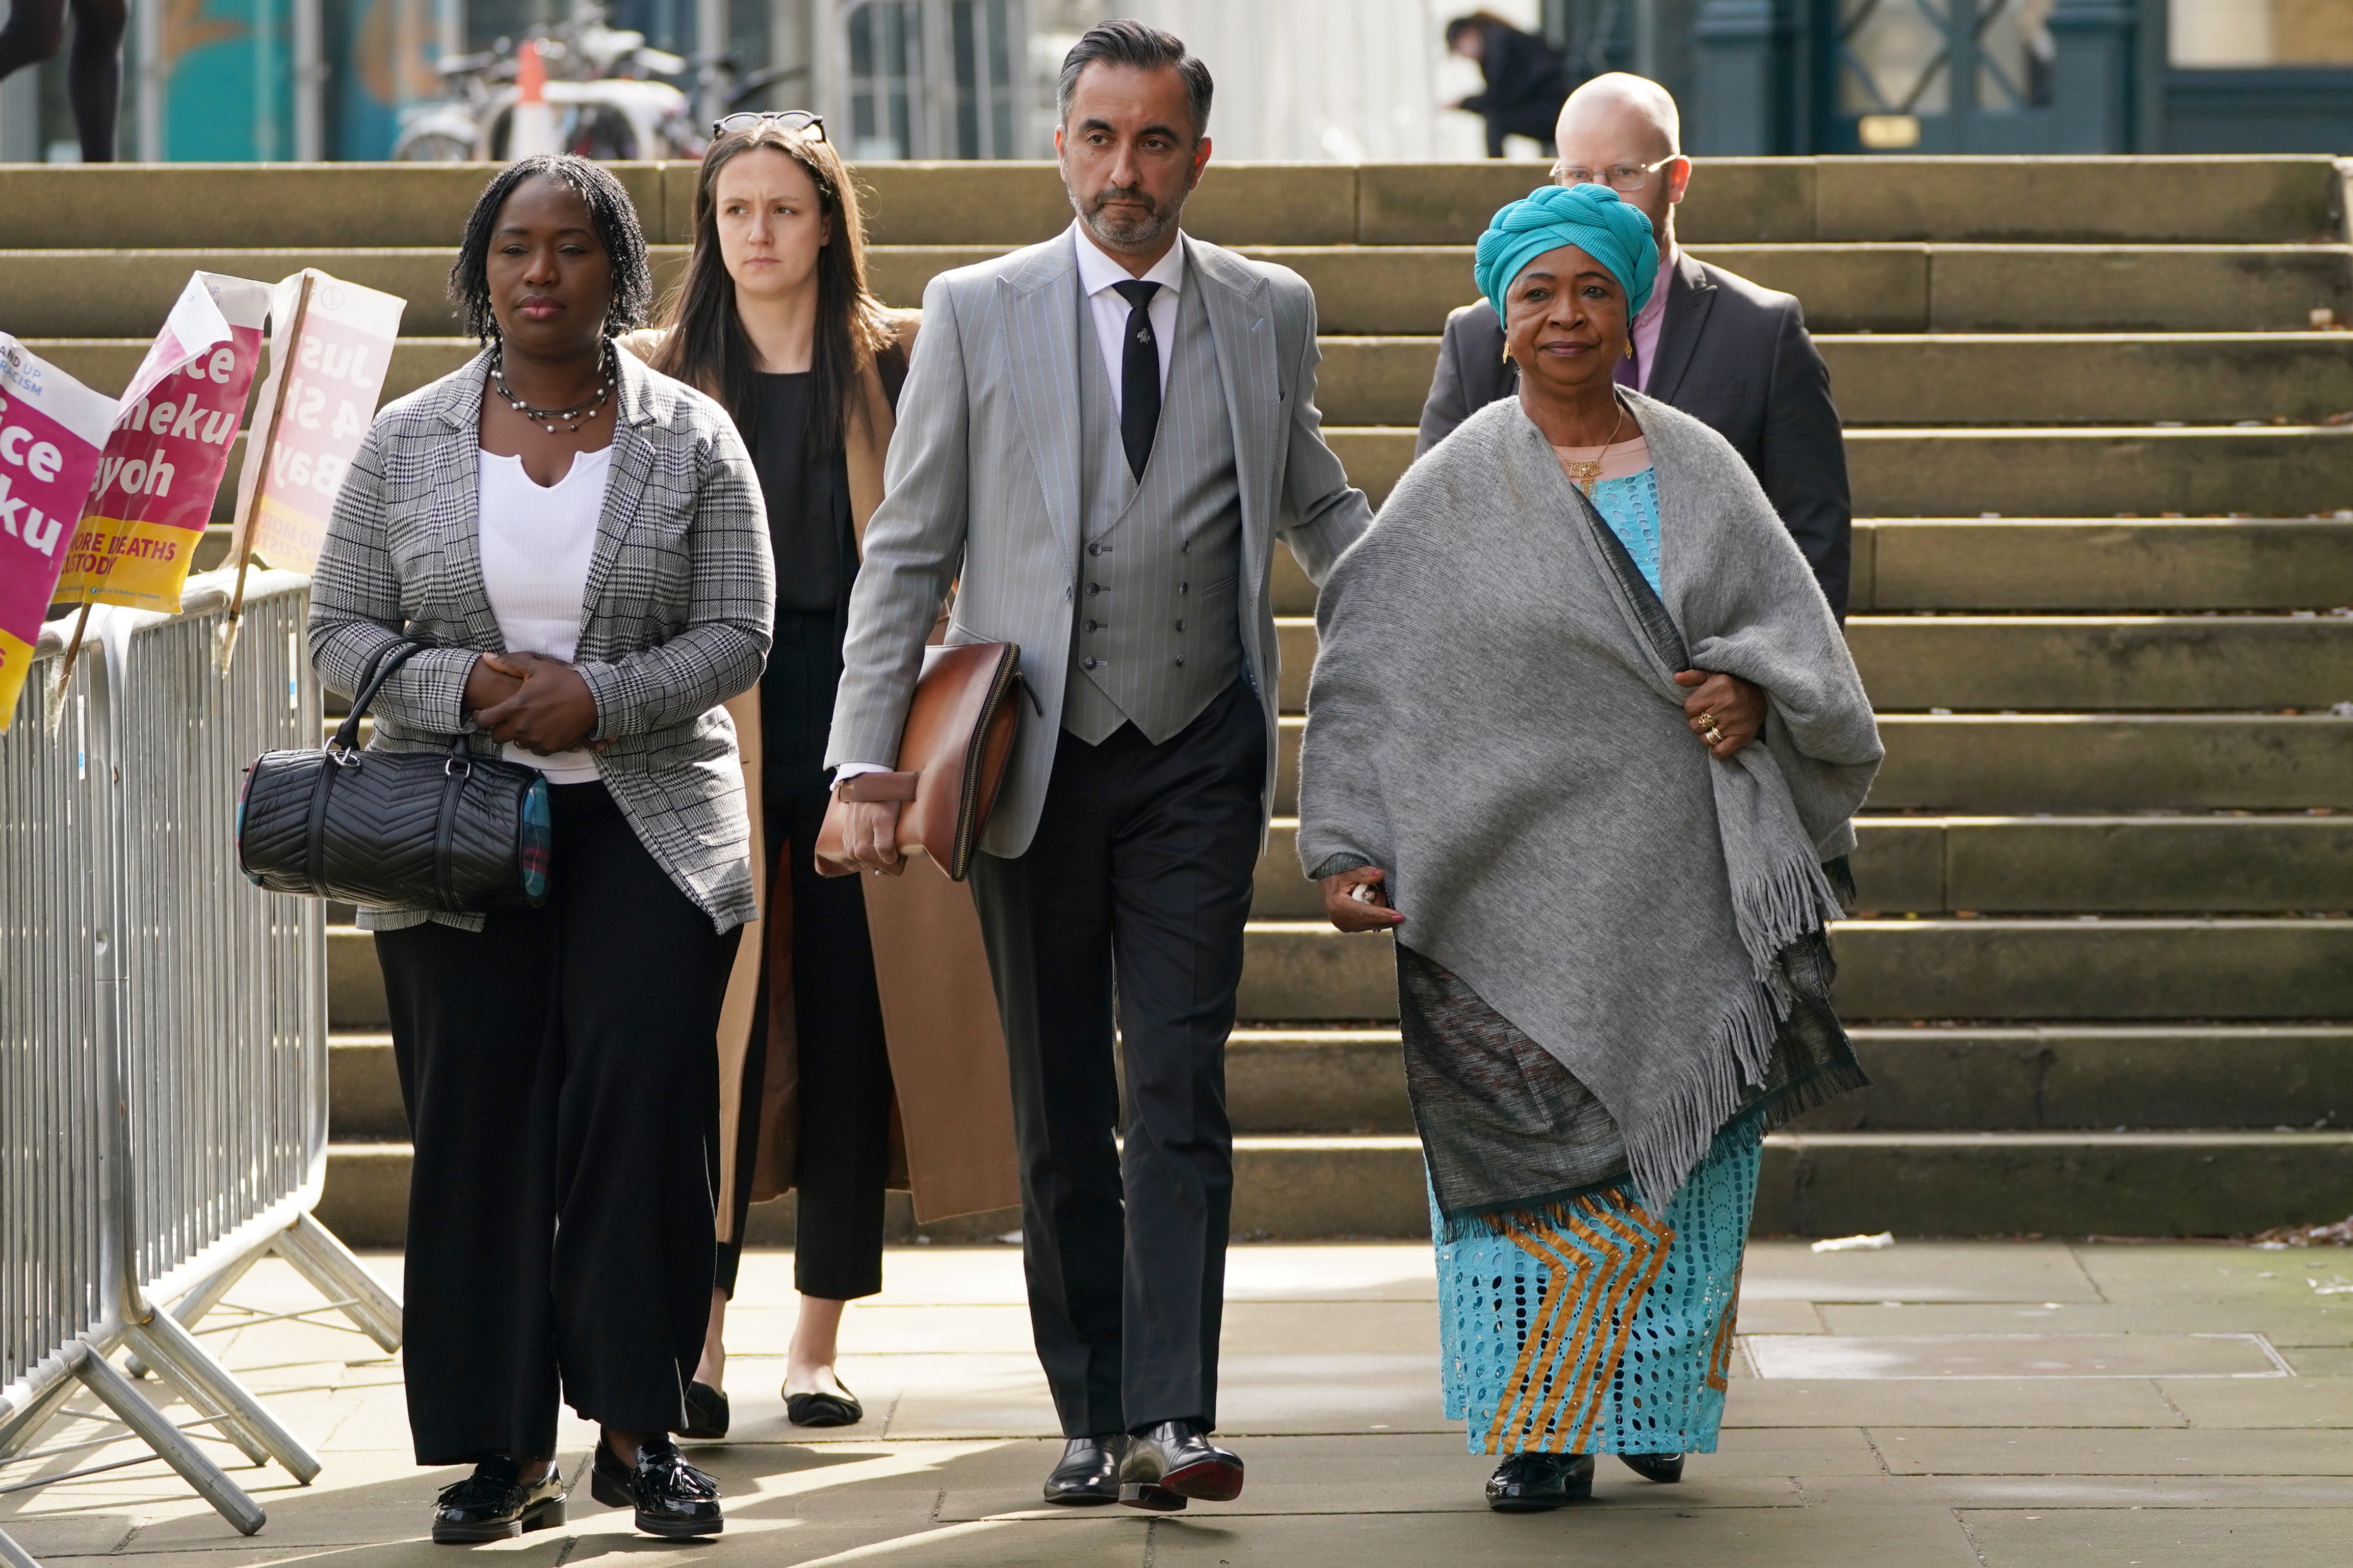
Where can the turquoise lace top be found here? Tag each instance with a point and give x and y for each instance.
(1630, 506)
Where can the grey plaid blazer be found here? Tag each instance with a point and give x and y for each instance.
(681, 596)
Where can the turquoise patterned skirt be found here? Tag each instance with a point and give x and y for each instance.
(1594, 1326)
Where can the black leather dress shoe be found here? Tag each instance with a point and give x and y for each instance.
(706, 1412)
(492, 1504)
(1088, 1472)
(1664, 1469)
(824, 1409)
(1175, 1460)
(671, 1496)
(1532, 1483)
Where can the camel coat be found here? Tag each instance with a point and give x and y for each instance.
(952, 1122)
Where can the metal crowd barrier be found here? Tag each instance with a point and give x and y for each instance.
(163, 1038)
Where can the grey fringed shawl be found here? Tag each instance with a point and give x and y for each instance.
(1489, 722)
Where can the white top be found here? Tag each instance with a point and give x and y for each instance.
(536, 544)
(1097, 273)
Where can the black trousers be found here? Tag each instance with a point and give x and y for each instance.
(562, 1096)
(1136, 886)
(842, 1155)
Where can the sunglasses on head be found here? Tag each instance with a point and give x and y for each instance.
(800, 121)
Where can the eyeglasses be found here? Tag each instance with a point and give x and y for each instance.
(800, 121)
(1623, 177)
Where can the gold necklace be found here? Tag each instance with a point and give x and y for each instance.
(1586, 474)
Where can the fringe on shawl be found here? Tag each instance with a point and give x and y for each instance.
(1772, 912)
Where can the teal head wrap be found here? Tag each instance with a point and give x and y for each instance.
(1589, 218)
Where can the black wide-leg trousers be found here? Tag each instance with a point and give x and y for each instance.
(562, 1093)
(1135, 887)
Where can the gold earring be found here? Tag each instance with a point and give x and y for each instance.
(1630, 347)
(1507, 353)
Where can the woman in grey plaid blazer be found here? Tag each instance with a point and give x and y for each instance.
(582, 545)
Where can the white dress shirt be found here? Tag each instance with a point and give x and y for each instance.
(1098, 272)
(536, 544)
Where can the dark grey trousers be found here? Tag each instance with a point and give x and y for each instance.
(1136, 886)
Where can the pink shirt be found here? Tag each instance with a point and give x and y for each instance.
(1647, 324)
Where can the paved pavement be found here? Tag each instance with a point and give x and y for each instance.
(1974, 1404)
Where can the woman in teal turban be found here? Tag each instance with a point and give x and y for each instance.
(1610, 906)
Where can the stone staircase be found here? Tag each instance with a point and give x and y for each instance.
(2101, 966)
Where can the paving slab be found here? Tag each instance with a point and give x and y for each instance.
(2099, 1538)
(1774, 1403)
(2282, 1325)
(2190, 1451)
(2314, 1403)
(2009, 1357)
(1917, 1271)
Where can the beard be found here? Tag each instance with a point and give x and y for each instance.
(1119, 231)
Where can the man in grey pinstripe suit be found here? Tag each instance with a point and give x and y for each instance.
(1102, 435)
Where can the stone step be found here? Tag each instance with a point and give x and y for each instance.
(1812, 1183)
(1978, 379)
(1942, 1078)
(1896, 379)
(2045, 563)
(2032, 200)
(2030, 866)
(2059, 471)
(1395, 289)
(2058, 970)
(2108, 564)
(2007, 764)
(2007, 663)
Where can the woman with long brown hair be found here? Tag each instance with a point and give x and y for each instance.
(860, 1048)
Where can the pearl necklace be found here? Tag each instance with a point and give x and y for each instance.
(579, 414)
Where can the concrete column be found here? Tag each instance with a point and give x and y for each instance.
(310, 83)
(2091, 77)
(147, 90)
(20, 117)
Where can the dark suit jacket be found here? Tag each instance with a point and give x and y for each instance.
(1730, 354)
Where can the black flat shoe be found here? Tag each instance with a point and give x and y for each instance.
(671, 1496)
(1174, 1461)
(1088, 1472)
(1664, 1469)
(824, 1409)
(706, 1412)
(492, 1504)
(1532, 1483)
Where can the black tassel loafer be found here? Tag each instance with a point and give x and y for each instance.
(671, 1496)
(1532, 1483)
(1088, 1473)
(1664, 1469)
(1170, 1463)
(706, 1412)
(492, 1504)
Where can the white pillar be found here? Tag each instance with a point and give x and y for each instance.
(147, 43)
(310, 83)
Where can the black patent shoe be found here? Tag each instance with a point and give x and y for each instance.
(1174, 1461)
(1664, 1469)
(492, 1504)
(1532, 1483)
(706, 1412)
(1088, 1473)
(671, 1496)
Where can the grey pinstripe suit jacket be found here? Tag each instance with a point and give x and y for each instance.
(681, 600)
(982, 478)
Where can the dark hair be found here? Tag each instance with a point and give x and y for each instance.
(1479, 22)
(1127, 42)
(705, 344)
(609, 209)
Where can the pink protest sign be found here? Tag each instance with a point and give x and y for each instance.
(51, 430)
(331, 343)
(169, 451)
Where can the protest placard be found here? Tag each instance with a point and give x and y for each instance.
(164, 462)
(330, 345)
(52, 428)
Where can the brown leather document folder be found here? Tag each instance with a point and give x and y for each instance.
(952, 755)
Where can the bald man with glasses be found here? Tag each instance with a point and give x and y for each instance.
(1709, 342)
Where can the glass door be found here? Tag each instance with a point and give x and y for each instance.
(933, 79)
(1935, 76)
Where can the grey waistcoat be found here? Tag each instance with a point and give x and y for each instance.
(1157, 636)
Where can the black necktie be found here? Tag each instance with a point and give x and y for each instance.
(1139, 376)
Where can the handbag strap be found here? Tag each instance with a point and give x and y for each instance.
(379, 669)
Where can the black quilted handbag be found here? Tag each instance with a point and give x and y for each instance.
(445, 831)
